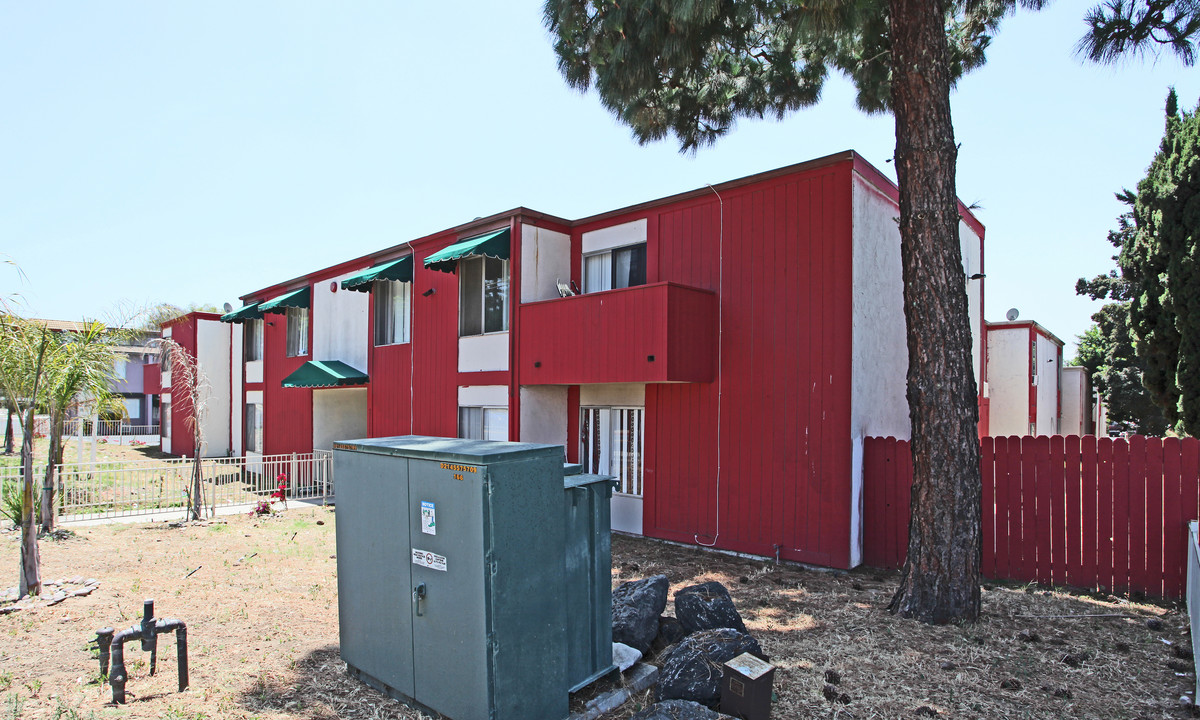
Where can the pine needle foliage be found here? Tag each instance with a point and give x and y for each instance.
(691, 69)
(1134, 28)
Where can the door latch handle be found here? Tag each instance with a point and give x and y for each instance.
(418, 596)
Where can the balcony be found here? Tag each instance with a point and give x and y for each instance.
(652, 333)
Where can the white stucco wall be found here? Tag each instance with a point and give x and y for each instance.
(212, 359)
(1049, 356)
(613, 394)
(1076, 405)
(482, 353)
(339, 323)
(879, 354)
(629, 233)
(879, 360)
(544, 414)
(254, 371)
(236, 409)
(339, 414)
(483, 396)
(1008, 380)
(545, 262)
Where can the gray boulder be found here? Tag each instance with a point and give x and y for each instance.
(679, 710)
(636, 606)
(692, 669)
(705, 607)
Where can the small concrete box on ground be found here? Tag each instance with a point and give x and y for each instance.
(453, 575)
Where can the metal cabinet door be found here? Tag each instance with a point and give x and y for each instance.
(450, 644)
(373, 567)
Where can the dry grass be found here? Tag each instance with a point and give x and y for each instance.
(262, 628)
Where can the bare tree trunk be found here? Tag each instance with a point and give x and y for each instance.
(48, 488)
(940, 581)
(31, 564)
(197, 500)
(8, 432)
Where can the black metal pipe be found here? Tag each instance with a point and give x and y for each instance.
(116, 678)
(112, 648)
(104, 638)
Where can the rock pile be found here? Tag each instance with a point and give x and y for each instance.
(706, 632)
(53, 592)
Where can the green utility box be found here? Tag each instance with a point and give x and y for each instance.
(460, 574)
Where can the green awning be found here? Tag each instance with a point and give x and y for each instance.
(495, 245)
(324, 373)
(401, 270)
(296, 298)
(248, 312)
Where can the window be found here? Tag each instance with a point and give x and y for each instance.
(483, 423)
(610, 443)
(254, 427)
(164, 361)
(617, 268)
(297, 331)
(393, 322)
(119, 368)
(482, 296)
(252, 331)
(166, 419)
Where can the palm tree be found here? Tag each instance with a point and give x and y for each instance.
(79, 370)
(23, 350)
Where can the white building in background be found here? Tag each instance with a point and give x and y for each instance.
(1024, 370)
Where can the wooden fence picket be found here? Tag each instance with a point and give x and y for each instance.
(1080, 511)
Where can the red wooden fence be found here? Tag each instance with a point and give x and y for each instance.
(1086, 512)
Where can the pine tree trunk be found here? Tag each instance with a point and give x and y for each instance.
(31, 572)
(940, 581)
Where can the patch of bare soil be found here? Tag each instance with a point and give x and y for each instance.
(841, 655)
(261, 610)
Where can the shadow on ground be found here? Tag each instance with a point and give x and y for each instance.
(318, 688)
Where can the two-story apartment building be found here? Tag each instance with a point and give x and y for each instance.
(723, 351)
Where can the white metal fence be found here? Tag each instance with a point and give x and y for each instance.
(107, 428)
(117, 489)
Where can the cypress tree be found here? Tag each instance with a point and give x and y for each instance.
(1160, 257)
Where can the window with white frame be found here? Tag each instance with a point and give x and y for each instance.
(611, 443)
(482, 296)
(393, 300)
(297, 332)
(165, 416)
(252, 333)
(254, 427)
(119, 368)
(483, 423)
(617, 268)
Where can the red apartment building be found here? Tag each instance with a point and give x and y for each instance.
(723, 351)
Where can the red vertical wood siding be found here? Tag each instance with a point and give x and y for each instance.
(287, 412)
(652, 333)
(1096, 513)
(183, 333)
(784, 393)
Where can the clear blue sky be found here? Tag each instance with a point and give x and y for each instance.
(194, 152)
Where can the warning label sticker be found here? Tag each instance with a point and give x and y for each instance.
(424, 558)
(428, 518)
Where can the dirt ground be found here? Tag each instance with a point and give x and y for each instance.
(259, 596)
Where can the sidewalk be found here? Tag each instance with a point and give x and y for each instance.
(178, 514)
